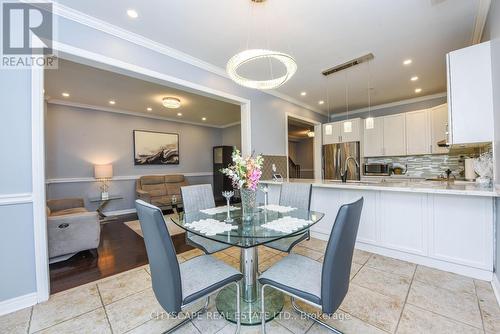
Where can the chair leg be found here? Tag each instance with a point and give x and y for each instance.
(188, 319)
(262, 310)
(313, 318)
(238, 311)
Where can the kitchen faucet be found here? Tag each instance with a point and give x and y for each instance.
(343, 175)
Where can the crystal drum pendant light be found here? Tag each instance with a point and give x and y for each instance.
(251, 55)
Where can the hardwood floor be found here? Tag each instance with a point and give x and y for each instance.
(120, 249)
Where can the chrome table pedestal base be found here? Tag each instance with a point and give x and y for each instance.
(250, 296)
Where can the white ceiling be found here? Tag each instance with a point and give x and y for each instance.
(318, 34)
(89, 86)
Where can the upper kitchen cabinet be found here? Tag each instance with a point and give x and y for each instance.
(439, 128)
(373, 139)
(350, 132)
(395, 135)
(418, 132)
(470, 95)
(339, 132)
(331, 133)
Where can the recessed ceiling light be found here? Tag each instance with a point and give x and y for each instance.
(415, 78)
(203, 118)
(171, 102)
(65, 94)
(179, 114)
(149, 109)
(112, 102)
(407, 62)
(321, 102)
(132, 13)
(303, 94)
(418, 90)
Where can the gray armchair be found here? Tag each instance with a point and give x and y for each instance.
(70, 228)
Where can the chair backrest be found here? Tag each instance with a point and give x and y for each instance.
(296, 195)
(165, 272)
(338, 256)
(197, 197)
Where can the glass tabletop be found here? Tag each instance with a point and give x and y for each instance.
(100, 199)
(252, 233)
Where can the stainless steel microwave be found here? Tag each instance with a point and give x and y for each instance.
(377, 169)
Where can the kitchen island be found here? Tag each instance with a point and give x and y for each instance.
(440, 225)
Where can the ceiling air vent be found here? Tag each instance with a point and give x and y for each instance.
(348, 64)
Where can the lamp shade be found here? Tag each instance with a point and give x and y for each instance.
(103, 171)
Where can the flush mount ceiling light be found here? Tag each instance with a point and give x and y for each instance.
(310, 134)
(132, 13)
(171, 102)
(321, 102)
(418, 90)
(112, 102)
(65, 94)
(415, 78)
(251, 55)
(407, 62)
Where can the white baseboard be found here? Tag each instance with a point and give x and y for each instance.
(421, 260)
(495, 283)
(18, 303)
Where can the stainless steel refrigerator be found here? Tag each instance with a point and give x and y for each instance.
(334, 160)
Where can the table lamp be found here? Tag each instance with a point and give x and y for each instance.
(103, 173)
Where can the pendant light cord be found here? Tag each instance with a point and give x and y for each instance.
(347, 96)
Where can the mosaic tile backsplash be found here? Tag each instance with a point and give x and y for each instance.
(433, 165)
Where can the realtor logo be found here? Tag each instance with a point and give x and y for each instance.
(27, 33)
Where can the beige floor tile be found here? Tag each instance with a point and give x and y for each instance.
(314, 244)
(16, 322)
(65, 305)
(354, 269)
(378, 310)
(392, 285)
(484, 291)
(120, 286)
(291, 320)
(264, 265)
(192, 253)
(312, 254)
(210, 322)
(220, 255)
(180, 258)
(321, 259)
(490, 312)
(233, 251)
(360, 256)
(92, 322)
(347, 324)
(161, 326)
(133, 311)
(391, 265)
(264, 253)
(445, 280)
(416, 320)
(462, 307)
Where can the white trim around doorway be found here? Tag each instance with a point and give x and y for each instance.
(38, 141)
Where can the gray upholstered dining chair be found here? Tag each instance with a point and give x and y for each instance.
(178, 286)
(296, 195)
(320, 285)
(196, 198)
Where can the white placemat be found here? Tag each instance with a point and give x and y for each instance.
(219, 209)
(210, 226)
(287, 224)
(277, 208)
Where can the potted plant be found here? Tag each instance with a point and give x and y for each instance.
(245, 175)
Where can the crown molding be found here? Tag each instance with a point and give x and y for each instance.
(391, 104)
(481, 17)
(133, 113)
(103, 26)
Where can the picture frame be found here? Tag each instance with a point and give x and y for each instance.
(155, 148)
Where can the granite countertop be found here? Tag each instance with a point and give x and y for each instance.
(430, 187)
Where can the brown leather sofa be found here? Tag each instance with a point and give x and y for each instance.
(159, 189)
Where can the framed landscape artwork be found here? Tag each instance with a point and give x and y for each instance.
(156, 148)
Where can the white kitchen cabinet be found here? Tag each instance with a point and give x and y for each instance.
(439, 128)
(418, 132)
(394, 135)
(373, 139)
(331, 133)
(470, 94)
(354, 134)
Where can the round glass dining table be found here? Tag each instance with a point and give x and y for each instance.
(247, 235)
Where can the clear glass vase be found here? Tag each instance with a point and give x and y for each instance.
(248, 203)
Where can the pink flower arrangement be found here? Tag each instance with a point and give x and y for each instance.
(244, 172)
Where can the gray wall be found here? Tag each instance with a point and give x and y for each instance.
(17, 261)
(232, 136)
(77, 138)
(394, 110)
